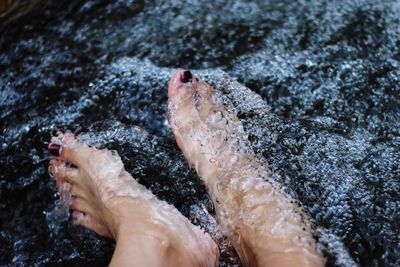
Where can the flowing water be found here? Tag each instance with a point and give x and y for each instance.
(315, 84)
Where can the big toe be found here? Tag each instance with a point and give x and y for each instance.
(178, 79)
(69, 149)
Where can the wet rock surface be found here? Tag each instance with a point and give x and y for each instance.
(323, 112)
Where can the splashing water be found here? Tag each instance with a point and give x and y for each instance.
(323, 112)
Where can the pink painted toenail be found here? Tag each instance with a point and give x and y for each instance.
(178, 79)
(186, 76)
(51, 171)
(77, 216)
(55, 149)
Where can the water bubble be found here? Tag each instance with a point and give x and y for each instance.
(4, 146)
(25, 129)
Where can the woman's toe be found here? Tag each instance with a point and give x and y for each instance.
(74, 151)
(77, 191)
(78, 216)
(69, 149)
(86, 221)
(80, 204)
(54, 162)
(65, 173)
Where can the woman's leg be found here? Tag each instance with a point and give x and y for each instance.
(265, 226)
(107, 200)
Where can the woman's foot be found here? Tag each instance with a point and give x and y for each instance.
(107, 200)
(264, 224)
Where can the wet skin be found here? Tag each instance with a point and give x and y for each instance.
(107, 200)
(264, 224)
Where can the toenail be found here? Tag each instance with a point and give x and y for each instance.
(54, 149)
(186, 76)
(51, 171)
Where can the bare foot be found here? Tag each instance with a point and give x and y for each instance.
(263, 223)
(107, 200)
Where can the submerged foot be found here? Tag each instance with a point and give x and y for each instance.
(107, 200)
(266, 228)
